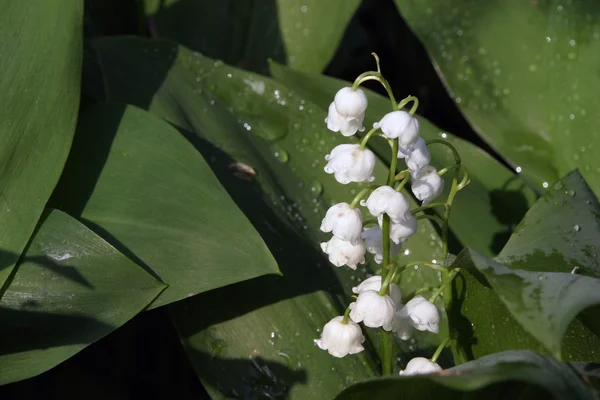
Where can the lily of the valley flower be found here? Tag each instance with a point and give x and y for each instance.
(344, 222)
(427, 184)
(401, 230)
(419, 366)
(385, 199)
(424, 315)
(374, 283)
(374, 244)
(402, 126)
(347, 111)
(340, 338)
(418, 158)
(373, 310)
(349, 163)
(341, 252)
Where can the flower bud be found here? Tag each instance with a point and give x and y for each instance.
(344, 222)
(342, 252)
(340, 339)
(385, 199)
(374, 283)
(419, 366)
(374, 244)
(418, 158)
(347, 111)
(349, 163)
(373, 310)
(401, 230)
(427, 184)
(424, 315)
(402, 126)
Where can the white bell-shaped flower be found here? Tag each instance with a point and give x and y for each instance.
(427, 184)
(374, 243)
(419, 157)
(347, 111)
(402, 326)
(385, 199)
(374, 283)
(373, 310)
(401, 230)
(419, 366)
(344, 222)
(349, 163)
(341, 252)
(340, 339)
(402, 126)
(425, 316)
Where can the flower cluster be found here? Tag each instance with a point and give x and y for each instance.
(379, 301)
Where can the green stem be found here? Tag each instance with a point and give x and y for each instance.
(401, 184)
(407, 100)
(428, 206)
(376, 76)
(385, 240)
(447, 281)
(365, 139)
(439, 350)
(385, 283)
(376, 57)
(361, 194)
(441, 141)
(346, 316)
(386, 352)
(394, 163)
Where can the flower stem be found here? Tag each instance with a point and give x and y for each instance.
(407, 100)
(376, 76)
(447, 281)
(386, 352)
(346, 315)
(365, 139)
(400, 185)
(428, 206)
(434, 218)
(394, 162)
(441, 141)
(362, 194)
(385, 240)
(439, 350)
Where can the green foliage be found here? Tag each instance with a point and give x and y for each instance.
(70, 289)
(524, 73)
(40, 71)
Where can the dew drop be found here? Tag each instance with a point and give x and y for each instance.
(545, 184)
(558, 185)
(316, 188)
(280, 154)
(576, 228)
(570, 192)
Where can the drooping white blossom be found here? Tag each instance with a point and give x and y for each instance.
(344, 222)
(374, 243)
(347, 111)
(385, 199)
(402, 126)
(349, 163)
(427, 184)
(418, 158)
(374, 283)
(341, 252)
(424, 315)
(340, 339)
(419, 366)
(373, 310)
(401, 230)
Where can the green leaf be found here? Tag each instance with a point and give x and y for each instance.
(508, 375)
(40, 68)
(247, 33)
(524, 74)
(276, 142)
(535, 290)
(70, 289)
(485, 213)
(140, 182)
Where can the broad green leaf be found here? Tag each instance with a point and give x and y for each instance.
(40, 73)
(524, 73)
(275, 141)
(139, 181)
(246, 33)
(485, 213)
(70, 289)
(508, 375)
(530, 304)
